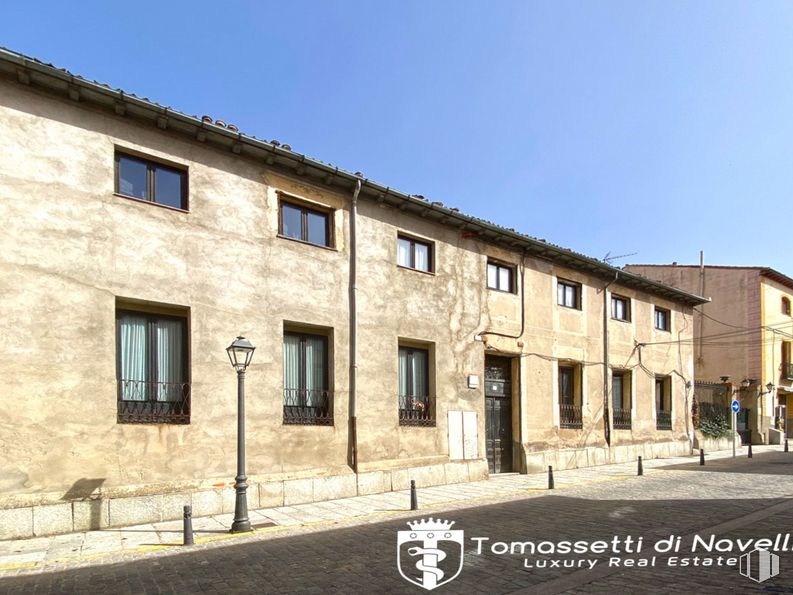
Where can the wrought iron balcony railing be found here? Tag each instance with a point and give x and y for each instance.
(312, 407)
(663, 420)
(570, 416)
(146, 402)
(622, 419)
(416, 411)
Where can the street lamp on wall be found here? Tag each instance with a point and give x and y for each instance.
(240, 353)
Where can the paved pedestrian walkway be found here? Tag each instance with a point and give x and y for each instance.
(87, 547)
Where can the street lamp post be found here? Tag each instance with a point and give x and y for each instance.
(240, 354)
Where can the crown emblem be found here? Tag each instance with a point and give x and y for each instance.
(430, 525)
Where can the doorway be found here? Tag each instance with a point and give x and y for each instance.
(498, 413)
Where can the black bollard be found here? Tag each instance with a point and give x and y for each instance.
(641, 469)
(414, 501)
(701, 456)
(750, 451)
(188, 526)
(786, 450)
(550, 477)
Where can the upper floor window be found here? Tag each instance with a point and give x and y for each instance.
(570, 411)
(151, 181)
(303, 223)
(620, 308)
(787, 368)
(662, 319)
(786, 306)
(414, 254)
(307, 399)
(152, 372)
(568, 294)
(416, 405)
(501, 277)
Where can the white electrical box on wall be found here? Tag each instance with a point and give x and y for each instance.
(473, 381)
(463, 435)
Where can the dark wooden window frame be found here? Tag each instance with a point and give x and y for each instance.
(627, 301)
(499, 266)
(412, 255)
(305, 209)
(407, 417)
(152, 164)
(622, 415)
(304, 419)
(571, 414)
(150, 410)
(576, 289)
(663, 410)
(667, 327)
(786, 306)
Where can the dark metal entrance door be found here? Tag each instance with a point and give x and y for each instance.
(498, 414)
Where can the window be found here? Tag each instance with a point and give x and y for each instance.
(304, 224)
(152, 353)
(416, 405)
(662, 318)
(307, 399)
(150, 181)
(663, 402)
(568, 294)
(570, 396)
(500, 277)
(621, 399)
(787, 368)
(620, 308)
(414, 254)
(785, 306)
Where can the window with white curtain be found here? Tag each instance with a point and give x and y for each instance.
(414, 254)
(306, 395)
(416, 405)
(153, 384)
(568, 294)
(500, 276)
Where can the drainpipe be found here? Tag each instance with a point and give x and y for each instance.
(606, 424)
(353, 428)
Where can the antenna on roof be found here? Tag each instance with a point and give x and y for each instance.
(607, 258)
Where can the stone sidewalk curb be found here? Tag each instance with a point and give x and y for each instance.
(591, 475)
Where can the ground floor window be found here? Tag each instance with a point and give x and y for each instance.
(416, 405)
(621, 399)
(307, 398)
(663, 402)
(570, 410)
(152, 370)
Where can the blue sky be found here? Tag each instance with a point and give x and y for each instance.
(660, 128)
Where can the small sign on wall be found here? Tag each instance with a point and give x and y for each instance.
(463, 435)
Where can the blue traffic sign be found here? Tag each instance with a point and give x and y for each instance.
(736, 406)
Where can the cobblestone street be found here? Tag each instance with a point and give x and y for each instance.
(736, 499)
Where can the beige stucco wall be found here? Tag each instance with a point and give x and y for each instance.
(72, 251)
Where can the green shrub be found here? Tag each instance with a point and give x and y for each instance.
(715, 427)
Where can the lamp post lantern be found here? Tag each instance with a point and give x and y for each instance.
(240, 354)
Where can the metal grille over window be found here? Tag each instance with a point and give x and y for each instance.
(570, 411)
(663, 403)
(152, 369)
(621, 400)
(307, 399)
(416, 406)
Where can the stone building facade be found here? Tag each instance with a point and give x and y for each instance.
(396, 338)
(744, 334)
